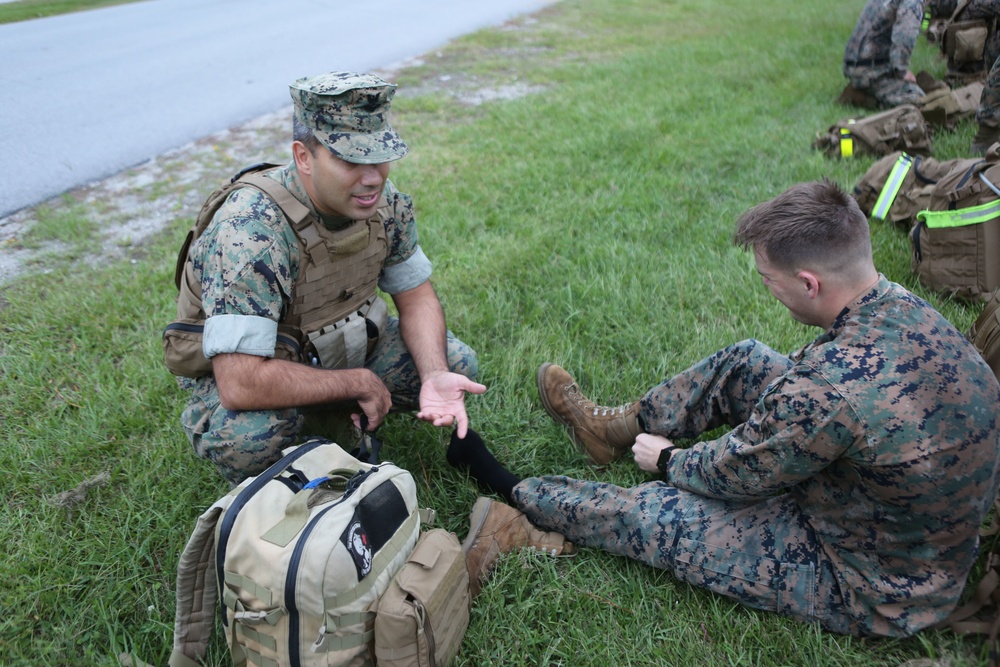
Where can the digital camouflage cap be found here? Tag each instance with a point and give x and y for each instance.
(349, 114)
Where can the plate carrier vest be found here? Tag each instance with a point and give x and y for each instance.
(333, 318)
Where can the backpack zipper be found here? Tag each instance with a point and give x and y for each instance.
(293, 566)
(244, 496)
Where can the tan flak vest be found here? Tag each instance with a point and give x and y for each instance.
(334, 317)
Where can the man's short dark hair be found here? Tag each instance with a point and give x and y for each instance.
(810, 224)
(302, 133)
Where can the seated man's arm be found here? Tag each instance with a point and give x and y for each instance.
(796, 430)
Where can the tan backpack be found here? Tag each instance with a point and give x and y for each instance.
(900, 128)
(899, 185)
(956, 240)
(296, 555)
(317, 562)
(964, 42)
(945, 107)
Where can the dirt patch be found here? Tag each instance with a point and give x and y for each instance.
(132, 206)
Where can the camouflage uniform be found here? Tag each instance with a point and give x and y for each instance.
(960, 73)
(247, 262)
(877, 55)
(849, 490)
(988, 113)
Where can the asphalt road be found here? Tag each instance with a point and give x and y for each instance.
(86, 95)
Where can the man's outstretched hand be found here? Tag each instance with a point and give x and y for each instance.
(442, 400)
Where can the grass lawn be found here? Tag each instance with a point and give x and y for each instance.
(24, 10)
(583, 217)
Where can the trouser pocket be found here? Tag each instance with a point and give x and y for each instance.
(753, 579)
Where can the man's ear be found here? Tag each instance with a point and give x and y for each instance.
(303, 158)
(810, 282)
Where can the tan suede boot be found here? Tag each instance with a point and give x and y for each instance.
(602, 433)
(496, 528)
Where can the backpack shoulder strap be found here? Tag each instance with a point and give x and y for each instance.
(958, 10)
(197, 590)
(215, 201)
(296, 212)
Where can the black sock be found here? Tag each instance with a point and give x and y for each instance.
(472, 455)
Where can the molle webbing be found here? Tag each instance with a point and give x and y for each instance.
(339, 271)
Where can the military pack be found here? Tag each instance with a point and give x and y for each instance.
(299, 557)
(900, 128)
(955, 241)
(421, 618)
(951, 209)
(964, 41)
(946, 107)
(899, 185)
(985, 333)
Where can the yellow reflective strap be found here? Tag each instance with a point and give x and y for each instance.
(891, 187)
(926, 22)
(973, 215)
(846, 142)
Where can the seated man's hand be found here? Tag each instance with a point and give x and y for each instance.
(647, 450)
(442, 400)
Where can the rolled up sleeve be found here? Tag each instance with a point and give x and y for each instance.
(242, 334)
(411, 272)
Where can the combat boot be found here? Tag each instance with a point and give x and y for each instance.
(496, 528)
(985, 137)
(853, 97)
(602, 433)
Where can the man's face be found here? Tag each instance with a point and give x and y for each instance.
(787, 287)
(340, 188)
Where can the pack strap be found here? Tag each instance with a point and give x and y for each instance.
(194, 617)
(327, 643)
(961, 217)
(891, 187)
(296, 211)
(958, 10)
(256, 658)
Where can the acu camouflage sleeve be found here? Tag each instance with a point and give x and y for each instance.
(796, 430)
(245, 260)
(401, 228)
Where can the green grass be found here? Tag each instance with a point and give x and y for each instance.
(587, 223)
(24, 10)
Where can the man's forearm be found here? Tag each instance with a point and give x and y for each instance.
(422, 326)
(247, 382)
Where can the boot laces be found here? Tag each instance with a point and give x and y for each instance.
(574, 393)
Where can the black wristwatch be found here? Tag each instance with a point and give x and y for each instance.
(664, 459)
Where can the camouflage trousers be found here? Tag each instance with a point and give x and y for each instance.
(988, 113)
(242, 444)
(762, 553)
(888, 90)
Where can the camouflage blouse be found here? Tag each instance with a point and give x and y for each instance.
(885, 433)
